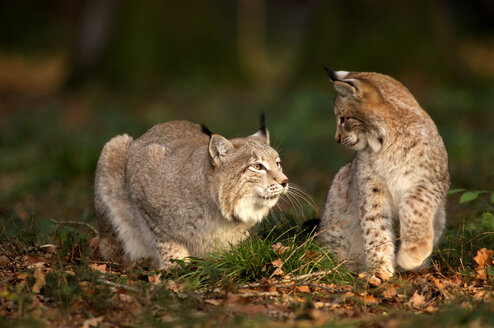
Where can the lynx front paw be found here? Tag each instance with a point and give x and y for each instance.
(378, 277)
(412, 258)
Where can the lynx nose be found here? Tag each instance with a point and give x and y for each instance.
(337, 137)
(284, 183)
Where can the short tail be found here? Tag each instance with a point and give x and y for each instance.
(110, 192)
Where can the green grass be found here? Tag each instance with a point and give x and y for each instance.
(251, 260)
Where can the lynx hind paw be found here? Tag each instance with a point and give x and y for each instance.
(169, 251)
(413, 258)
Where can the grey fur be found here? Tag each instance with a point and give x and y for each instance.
(177, 192)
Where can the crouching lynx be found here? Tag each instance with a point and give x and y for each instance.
(180, 191)
(399, 176)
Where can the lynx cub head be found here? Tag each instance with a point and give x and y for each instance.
(364, 104)
(248, 175)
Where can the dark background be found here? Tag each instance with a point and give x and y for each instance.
(75, 73)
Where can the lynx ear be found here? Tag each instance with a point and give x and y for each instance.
(218, 147)
(344, 86)
(263, 132)
(347, 88)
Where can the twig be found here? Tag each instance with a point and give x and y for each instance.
(77, 222)
(258, 294)
(114, 284)
(6, 254)
(293, 280)
(318, 273)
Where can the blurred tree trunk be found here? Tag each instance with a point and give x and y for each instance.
(92, 36)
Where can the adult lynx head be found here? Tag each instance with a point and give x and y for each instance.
(367, 105)
(248, 175)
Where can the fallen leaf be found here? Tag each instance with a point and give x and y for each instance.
(369, 299)
(92, 322)
(233, 299)
(416, 301)
(22, 276)
(303, 289)
(40, 279)
(32, 260)
(390, 292)
(278, 263)
(173, 286)
(309, 254)
(98, 267)
(213, 302)
(484, 259)
(155, 279)
(279, 248)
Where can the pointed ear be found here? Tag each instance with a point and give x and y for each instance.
(263, 132)
(218, 148)
(347, 88)
(331, 74)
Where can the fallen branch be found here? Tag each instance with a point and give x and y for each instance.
(114, 284)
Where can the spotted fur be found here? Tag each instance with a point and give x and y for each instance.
(398, 179)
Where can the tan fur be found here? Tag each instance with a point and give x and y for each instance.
(177, 192)
(399, 176)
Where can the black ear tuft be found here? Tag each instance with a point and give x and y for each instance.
(262, 122)
(331, 74)
(205, 130)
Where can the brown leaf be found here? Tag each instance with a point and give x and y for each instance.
(233, 300)
(303, 289)
(40, 279)
(92, 322)
(369, 299)
(278, 263)
(173, 286)
(279, 248)
(34, 260)
(390, 292)
(155, 279)
(98, 267)
(309, 254)
(214, 302)
(484, 259)
(416, 301)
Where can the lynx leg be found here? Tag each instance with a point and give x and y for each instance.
(171, 250)
(377, 229)
(417, 224)
(340, 228)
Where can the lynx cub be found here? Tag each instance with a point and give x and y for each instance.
(180, 191)
(399, 176)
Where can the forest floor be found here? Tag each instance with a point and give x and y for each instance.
(278, 279)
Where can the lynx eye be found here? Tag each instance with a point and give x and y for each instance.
(278, 163)
(258, 167)
(342, 120)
